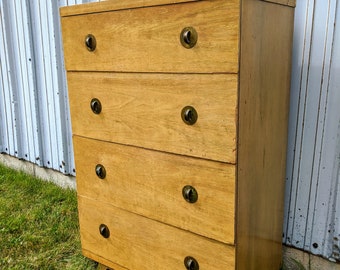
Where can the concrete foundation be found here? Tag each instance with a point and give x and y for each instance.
(40, 172)
(294, 259)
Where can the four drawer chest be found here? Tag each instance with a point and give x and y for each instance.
(179, 114)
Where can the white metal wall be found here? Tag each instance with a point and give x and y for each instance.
(312, 207)
(35, 123)
(34, 114)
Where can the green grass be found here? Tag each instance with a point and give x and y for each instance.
(38, 224)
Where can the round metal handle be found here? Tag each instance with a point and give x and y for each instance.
(100, 171)
(191, 263)
(96, 106)
(104, 231)
(190, 194)
(189, 115)
(188, 37)
(90, 42)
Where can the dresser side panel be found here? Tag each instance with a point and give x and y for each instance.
(266, 43)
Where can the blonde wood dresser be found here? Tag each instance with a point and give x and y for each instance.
(179, 117)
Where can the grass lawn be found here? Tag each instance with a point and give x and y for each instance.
(38, 225)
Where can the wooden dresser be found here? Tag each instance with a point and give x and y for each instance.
(179, 117)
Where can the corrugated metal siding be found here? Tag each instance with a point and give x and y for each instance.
(35, 123)
(34, 113)
(312, 207)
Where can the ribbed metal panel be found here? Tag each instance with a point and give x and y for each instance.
(312, 207)
(34, 113)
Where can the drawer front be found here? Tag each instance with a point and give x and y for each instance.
(148, 39)
(146, 110)
(138, 243)
(152, 183)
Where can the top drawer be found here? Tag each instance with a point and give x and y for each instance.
(148, 39)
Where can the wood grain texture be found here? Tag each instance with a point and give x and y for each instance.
(114, 5)
(145, 110)
(139, 243)
(150, 183)
(148, 39)
(266, 42)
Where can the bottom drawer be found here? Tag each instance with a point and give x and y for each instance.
(130, 241)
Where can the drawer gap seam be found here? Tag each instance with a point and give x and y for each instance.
(159, 151)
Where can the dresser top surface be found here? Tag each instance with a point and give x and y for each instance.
(112, 5)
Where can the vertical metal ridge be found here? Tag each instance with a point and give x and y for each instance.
(38, 152)
(312, 197)
(11, 83)
(67, 153)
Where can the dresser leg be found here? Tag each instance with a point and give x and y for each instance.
(103, 267)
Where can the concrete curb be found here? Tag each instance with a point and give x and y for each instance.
(294, 259)
(56, 177)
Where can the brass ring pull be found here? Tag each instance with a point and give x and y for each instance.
(100, 171)
(191, 263)
(190, 194)
(189, 115)
(188, 37)
(104, 231)
(90, 42)
(96, 106)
